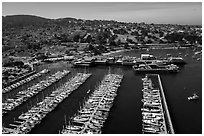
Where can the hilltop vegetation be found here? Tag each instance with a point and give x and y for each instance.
(28, 35)
(22, 20)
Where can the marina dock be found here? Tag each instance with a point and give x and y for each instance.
(9, 131)
(28, 79)
(24, 95)
(19, 78)
(90, 118)
(38, 112)
(126, 61)
(156, 117)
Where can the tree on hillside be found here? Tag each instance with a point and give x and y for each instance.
(118, 42)
(126, 45)
(76, 38)
(90, 47)
(102, 37)
(89, 39)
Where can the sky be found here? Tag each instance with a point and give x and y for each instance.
(149, 12)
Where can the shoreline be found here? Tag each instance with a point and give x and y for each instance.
(165, 48)
(113, 52)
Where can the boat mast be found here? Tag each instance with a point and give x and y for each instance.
(85, 70)
(109, 70)
(43, 95)
(65, 120)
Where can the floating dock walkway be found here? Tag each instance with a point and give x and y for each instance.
(26, 80)
(156, 117)
(20, 78)
(91, 117)
(34, 116)
(24, 95)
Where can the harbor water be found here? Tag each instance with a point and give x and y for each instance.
(125, 116)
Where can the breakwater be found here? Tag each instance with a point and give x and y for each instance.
(168, 117)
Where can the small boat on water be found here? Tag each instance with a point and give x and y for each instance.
(198, 59)
(186, 54)
(88, 91)
(44, 71)
(193, 97)
(176, 60)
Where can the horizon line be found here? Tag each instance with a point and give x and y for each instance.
(99, 20)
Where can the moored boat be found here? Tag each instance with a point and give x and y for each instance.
(154, 68)
(193, 97)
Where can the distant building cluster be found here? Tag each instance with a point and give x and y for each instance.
(86, 35)
(35, 39)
